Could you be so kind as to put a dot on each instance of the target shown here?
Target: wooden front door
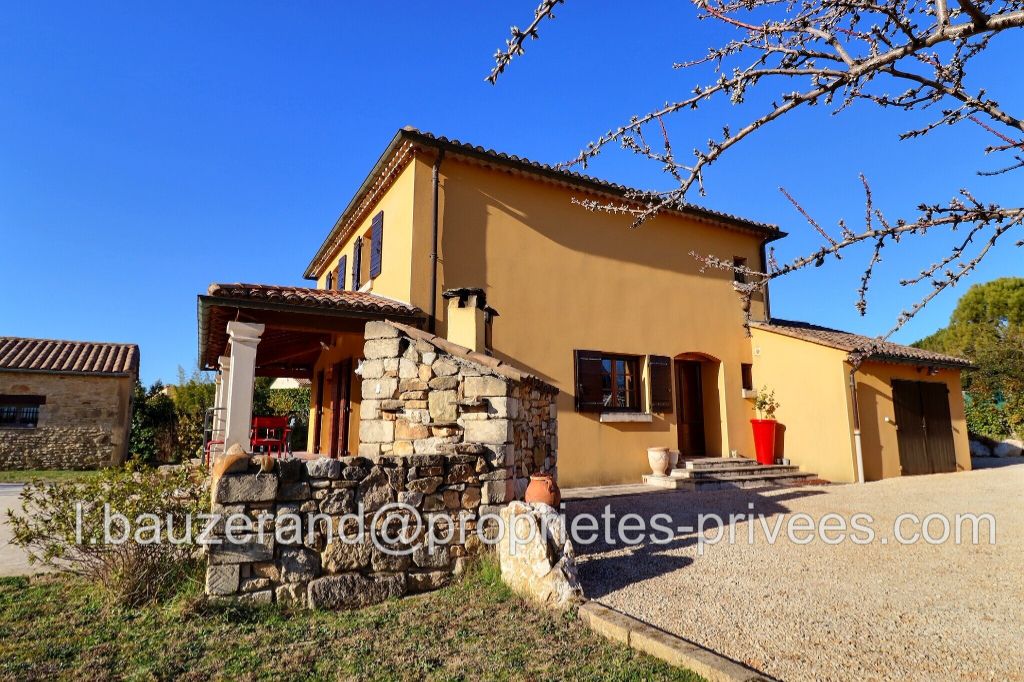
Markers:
(690, 415)
(924, 428)
(341, 408)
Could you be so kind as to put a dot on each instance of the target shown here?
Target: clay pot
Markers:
(543, 488)
(673, 459)
(659, 461)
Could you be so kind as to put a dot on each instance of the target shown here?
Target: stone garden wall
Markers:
(447, 437)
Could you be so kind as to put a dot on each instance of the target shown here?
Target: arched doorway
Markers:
(698, 421)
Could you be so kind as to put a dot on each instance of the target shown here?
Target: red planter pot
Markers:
(764, 440)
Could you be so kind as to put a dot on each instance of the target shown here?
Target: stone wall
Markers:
(444, 439)
(83, 424)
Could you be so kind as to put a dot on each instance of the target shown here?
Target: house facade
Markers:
(65, 404)
(492, 252)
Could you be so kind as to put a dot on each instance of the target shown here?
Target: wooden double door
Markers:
(924, 428)
(340, 412)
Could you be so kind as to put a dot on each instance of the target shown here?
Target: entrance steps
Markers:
(723, 473)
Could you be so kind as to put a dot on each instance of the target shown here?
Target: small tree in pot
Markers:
(764, 426)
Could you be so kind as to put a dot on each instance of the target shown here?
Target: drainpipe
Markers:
(856, 426)
(435, 184)
(764, 268)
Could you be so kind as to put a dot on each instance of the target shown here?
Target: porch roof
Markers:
(298, 320)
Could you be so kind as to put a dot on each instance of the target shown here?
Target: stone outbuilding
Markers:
(65, 404)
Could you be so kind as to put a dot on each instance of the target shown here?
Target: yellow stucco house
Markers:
(489, 250)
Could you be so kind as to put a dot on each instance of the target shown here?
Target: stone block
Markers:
(299, 565)
(496, 492)
(222, 580)
(371, 369)
(352, 591)
(369, 449)
(425, 485)
(443, 367)
(471, 497)
(491, 431)
(444, 383)
(408, 369)
(412, 385)
(382, 348)
(296, 491)
(340, 556)
(375, 490)
(246, 488)
(245, 551)
(406, 430)
(423, 557)
(403, 447)
(485, 386)
(394, 560)
(380, 330)
(376, 431)
(369, 409)
(504, 408)
(379, 389)
(323, 467)
(442, 406)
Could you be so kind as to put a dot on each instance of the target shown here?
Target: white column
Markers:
(220, 401)
(243, 337)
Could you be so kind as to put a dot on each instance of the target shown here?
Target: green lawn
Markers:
(52, 476)
(58, 627)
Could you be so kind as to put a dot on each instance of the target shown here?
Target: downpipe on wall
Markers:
(435, 186)
(856, 426)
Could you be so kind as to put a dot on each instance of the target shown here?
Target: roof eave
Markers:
(770, 233)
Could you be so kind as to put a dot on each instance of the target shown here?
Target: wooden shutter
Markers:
(376, 243)
(661, 383)
(589, 391)
(342, 272)
(911, 436)
(357, 258)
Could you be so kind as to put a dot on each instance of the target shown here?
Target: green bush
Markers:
(986, 418)
(73, 526)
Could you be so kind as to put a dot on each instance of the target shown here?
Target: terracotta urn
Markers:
(659, 461)
(543, 488)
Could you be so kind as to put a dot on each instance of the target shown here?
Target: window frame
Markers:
(25, 410)
(737, 276)
(632, 368)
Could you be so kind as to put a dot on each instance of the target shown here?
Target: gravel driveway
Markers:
(832, 612)
(12, 560)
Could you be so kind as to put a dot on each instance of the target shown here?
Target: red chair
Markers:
(270, 435)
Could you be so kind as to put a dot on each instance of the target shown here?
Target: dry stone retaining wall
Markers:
(450, 438)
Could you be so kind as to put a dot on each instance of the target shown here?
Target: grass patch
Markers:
(50, 476)
(59, 627)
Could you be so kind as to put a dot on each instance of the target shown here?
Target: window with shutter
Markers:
(342, 271)
(660, 368)
(357, 257)
(376, 243)
(589, 387)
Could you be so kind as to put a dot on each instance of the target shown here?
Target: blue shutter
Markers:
(357, 257)
(376, 243)
(342, 271)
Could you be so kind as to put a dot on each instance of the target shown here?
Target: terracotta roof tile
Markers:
(73, 357)
(849, 342)
(314, 298)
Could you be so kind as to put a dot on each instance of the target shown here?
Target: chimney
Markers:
(470, 319)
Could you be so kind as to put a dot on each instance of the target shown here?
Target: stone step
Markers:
(705, 463)
(669, 482)
(767, 476)
(738, 471)
(708, 484)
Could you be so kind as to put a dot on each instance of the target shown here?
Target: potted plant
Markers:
(764, 426)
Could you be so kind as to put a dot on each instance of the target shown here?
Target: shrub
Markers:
(73, 526)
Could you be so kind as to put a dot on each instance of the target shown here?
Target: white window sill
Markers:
(626, 417)
(749, 393)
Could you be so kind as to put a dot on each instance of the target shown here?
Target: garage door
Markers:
(925, 430)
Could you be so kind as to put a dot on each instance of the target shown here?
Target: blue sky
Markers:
(135, 138)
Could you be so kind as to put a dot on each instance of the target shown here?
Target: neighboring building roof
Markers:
(68, 357)
(885, 351)
(409, 137)
(492, 363)
(329, 299)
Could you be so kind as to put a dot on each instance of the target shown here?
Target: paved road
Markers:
(12, 560)
(874, 611)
